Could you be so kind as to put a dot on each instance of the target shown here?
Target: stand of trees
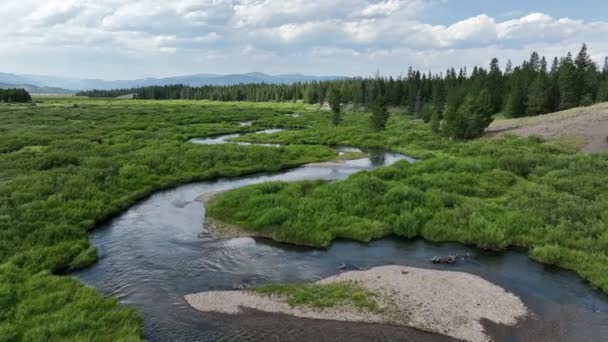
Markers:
(14, 95)
(462, 102)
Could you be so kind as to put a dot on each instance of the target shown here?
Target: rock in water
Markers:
(450, 260)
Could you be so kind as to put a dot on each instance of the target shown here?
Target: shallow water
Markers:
(150, 257)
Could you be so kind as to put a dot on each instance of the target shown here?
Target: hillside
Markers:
(587, 126)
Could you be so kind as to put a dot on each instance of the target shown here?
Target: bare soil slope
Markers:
(588, 126)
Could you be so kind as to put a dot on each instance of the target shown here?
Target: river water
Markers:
(151, 256)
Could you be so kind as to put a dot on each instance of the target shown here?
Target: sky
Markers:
(116, 39)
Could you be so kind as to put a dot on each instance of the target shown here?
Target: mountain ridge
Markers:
(202, 79)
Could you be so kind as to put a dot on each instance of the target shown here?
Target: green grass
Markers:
(493, 193)
(68, 164)
(323, 296)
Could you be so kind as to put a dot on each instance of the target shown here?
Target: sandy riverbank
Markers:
(444, 302)
(208, 196)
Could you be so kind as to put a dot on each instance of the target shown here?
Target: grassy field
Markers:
(492, 193)
(67, 164)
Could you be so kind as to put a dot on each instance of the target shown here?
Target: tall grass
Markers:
(324, 296)
(67, 164)
(494, 193)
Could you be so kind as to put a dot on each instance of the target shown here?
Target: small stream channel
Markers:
(150, 257)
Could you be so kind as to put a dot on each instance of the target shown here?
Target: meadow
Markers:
(494, 193)
(67, 164)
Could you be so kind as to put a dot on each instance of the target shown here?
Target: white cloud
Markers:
(278, 33)
(384, 8)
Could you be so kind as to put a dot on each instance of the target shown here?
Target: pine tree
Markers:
(583, 61)
(586, 77)
(454, 98)
(516, 100)
(435, 122)
(483, 112)
(427, 112)
(494, 85)
(334, 103)
(509, 67)
(539, 95)
(567, 84)
(14, 95)
(534, 62)
(472, 117)
(523, 90)
(602, 93)
(438, 97)
(379, 114)
(554, 86)
(418, 106)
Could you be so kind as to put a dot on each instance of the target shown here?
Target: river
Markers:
(151, 255)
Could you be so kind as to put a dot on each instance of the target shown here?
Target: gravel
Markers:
(444, 302)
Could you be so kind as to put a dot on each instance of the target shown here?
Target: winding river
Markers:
(151, 256)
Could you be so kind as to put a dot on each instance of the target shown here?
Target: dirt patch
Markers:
(586, 126)
(448, 303)
(208, 196)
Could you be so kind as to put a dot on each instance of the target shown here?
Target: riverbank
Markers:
(443, 302)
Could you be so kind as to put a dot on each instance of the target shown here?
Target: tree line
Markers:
(14, 95)
(460, 103)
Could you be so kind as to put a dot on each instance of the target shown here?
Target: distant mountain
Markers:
(193, 80)
(32, 89)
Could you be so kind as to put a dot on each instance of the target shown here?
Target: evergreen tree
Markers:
(523, 90)
(438, 97)
(567, 84)
(602, 93)
(427, 112)
(334, 103)
(472, 117)
(435, 122)
(554, 86)
(418, 105)
(495, 87)
(539, 95)
(379, 114)
(509, 67)
(454, 99)
(534, 63)
(583, 61)
(14, 96)
(587, 100)
(585, 77)
(516, 100)
(483, 111)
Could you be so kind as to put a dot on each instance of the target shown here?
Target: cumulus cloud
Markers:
(357, 31)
